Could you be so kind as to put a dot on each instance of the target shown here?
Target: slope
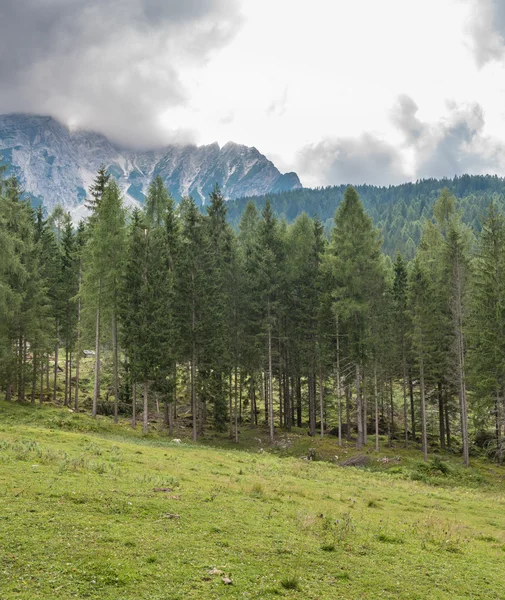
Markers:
(93, 510)
(398, 210)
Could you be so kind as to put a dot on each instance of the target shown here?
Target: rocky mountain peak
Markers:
(57, 165)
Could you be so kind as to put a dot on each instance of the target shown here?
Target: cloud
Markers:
(364, 159)
(454, 145)
(486, 28)
(115, 66)
(279, 105)
(404, 117)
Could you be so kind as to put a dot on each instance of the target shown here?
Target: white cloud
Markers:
(340, 91)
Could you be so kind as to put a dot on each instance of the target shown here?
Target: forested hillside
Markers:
(398, 211)
(272, 326)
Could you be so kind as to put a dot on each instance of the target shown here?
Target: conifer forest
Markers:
(261, 325)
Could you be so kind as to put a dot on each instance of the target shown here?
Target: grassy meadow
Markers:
(89, 509)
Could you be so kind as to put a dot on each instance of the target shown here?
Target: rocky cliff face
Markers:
(57, 165)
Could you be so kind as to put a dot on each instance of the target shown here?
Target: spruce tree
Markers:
(103, 268)
(487, 323)
(358, 278)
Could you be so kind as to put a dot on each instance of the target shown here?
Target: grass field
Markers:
(89, 509)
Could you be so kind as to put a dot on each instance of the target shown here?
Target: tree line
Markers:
(270, 324)
(399, 211)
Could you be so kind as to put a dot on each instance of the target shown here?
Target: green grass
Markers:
(80, 517)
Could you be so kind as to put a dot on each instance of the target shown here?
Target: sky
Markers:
(340, 91)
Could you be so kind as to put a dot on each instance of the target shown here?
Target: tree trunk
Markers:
(287, 402)
(405, 411)
(348, 411)
(392, 428)
(359, 409)
(41, 391)
(423, 407)
(460, 349)
(96, 390)
(78, 345)
(281, 398)
(67, 381)
(47, 373)
(116, 363)
(193, 395)
(412, 407)
(34, 374)
(339, 400)
(388, 410)
(165, 412)
(311, 383)
(240, 396)
(376, 400)
(134, 405)
(230, 405)
(270, 386)
(441, 416)
(264, 393)
(392, 409)
(498, 418)
(55, 380)
(365, 410)
(447, 421)
(321, 402)
(298, 401)
(22, 364)
(145, 425)
(252, 394)
(236, 403)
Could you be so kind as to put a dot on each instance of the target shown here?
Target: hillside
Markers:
(57, 165)
(94, 510)
(398, 210)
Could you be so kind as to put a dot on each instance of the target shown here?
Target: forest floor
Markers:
(89, 509)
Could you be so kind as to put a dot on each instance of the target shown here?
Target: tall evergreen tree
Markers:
(103, 268)
(358, 278)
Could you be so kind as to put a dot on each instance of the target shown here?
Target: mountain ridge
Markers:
(56, 164)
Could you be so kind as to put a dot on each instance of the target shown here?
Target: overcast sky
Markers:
(376, 91)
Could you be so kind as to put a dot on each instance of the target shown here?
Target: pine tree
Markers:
(457, 257)
(358, 277)
(487, 321)
(158, 200)
(192, 312)
(69, 288)
(421, 290)
(268, 276)
(97, 189)
(219, 289)
(137, 308)
(103, 268)
(400, 295)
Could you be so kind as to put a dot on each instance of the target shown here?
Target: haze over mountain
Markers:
(57, 165)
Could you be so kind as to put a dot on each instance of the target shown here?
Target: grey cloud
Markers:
(366, 159)
(456, 145)
(404, 116)
(486, 27)
(452, 146)
(109, 66)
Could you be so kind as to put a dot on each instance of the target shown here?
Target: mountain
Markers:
(57, 165)
(399, 211)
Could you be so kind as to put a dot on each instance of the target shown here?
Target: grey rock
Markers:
(57, 165)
